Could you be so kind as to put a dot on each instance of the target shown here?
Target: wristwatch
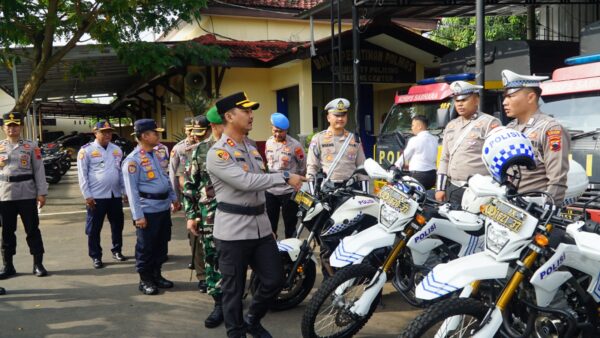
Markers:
(286, 176)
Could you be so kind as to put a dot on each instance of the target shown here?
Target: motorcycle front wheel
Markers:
(328, 312)
(463, 317)
(292, 295)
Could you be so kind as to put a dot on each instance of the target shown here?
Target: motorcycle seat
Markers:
(465, 220)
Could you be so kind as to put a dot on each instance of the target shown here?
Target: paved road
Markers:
(76, 300)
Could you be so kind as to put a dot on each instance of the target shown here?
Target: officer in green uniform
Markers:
(200, 204)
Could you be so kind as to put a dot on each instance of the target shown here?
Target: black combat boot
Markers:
(160, 281)
(2, 291)
(147, 285)
(9, 269)
(254, 328)
(38, 268)
(215, 318)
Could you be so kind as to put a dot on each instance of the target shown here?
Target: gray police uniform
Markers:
(180, 153)
(284, 156)
(461, 152)
(150, 195)
(551, 145)
(100, 178)
(242, 231)
(22, 179)
(323, 149)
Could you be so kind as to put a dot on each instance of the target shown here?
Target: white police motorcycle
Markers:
(516, 243)
(345, 302)
(330, 214)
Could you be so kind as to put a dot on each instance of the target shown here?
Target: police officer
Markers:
(242, 232)
(179, 155)
(283, 153)
(23, 189)
(325, 148)
(551, 143)
(200, 205)
(201, 131)
(462, 143)
(101, 183)
(150, 196)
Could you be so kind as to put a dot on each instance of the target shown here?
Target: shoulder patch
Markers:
(554, 139)
(223, 155)
(299, 152)
(132, 167)
(81, 154)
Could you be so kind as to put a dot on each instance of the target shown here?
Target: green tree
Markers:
(458, 33)
(115, 23)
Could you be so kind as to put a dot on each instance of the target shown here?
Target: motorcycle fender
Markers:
(353, 249)
(292, 247)
(455, 275)
(420, 252)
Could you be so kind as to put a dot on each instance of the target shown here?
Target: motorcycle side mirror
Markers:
(374, 170)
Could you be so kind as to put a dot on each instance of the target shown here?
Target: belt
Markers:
(17, 178)
(458, 183)
(412, 172)
(161, 196)
(240, 209)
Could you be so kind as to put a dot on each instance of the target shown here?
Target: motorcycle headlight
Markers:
(387, 215)
(496, 238)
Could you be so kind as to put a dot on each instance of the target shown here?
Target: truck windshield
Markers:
(400, 116)
(576, 112)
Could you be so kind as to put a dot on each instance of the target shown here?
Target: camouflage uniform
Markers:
(200, 203)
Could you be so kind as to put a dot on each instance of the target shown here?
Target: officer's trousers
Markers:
(426, 178)
(196, 245)
(288, 208)
(234, 257)
(113, 209)
(27, 209)
(152, 243)
(454, 194)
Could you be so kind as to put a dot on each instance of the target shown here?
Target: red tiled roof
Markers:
(263, 50)
(284, 4)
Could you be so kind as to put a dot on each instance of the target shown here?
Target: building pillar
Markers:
(305, 98)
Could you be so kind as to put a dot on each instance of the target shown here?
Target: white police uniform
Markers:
(100, 178)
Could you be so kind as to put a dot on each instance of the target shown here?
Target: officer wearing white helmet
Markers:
(326, 148)
(462, 142)
(283, 153)
(551, 143)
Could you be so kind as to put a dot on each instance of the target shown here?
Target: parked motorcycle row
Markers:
(503, 264)
(56, 163)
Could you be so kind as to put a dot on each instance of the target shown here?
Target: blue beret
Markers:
(280, 121)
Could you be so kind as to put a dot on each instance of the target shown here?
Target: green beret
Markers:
(213, 116)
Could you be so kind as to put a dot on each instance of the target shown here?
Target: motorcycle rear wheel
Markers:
(327, 314)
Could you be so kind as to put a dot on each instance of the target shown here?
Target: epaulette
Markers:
(86, 145)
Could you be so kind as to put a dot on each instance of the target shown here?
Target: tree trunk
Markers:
(31, 87)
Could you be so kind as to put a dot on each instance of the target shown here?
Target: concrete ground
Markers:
(76, 300)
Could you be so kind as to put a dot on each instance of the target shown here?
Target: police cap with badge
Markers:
(143, 125)
(237, 100)
(514, 82)
(12, 118)
(188, 123)
(461, 90)
(200, 125)
(102, 125)
(338, 107)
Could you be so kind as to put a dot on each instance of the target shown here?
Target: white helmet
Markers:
(503, 148)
